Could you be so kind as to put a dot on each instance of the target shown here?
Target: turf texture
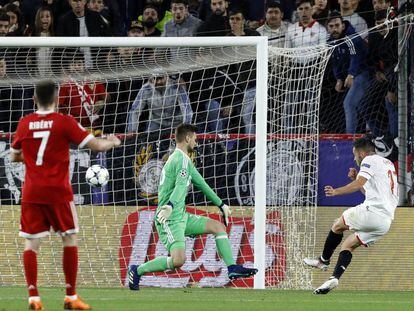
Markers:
(196, 299)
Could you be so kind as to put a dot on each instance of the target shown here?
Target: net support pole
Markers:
(260, 164)
(402, 113)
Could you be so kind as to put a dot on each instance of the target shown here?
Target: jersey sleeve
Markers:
(201, 184)
(77, 133)
(367, 168)
(182, 180)
(16, 146)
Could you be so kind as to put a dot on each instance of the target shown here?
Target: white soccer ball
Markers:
(97, 176)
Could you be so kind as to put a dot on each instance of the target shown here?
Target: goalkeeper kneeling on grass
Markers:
(174, 223)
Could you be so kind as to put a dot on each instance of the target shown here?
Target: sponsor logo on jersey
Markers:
(366, 165)
(139, 242)
(183, 173)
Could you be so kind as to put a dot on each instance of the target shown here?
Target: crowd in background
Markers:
(359, 88)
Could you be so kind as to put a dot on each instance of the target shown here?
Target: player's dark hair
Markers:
(364, 144)
(45, 92)
(183, 130)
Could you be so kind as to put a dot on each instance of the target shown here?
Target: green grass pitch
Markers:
(195, 299)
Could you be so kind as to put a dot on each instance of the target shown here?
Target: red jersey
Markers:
(78, 100)
(44, 138)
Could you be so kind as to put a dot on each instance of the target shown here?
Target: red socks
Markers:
(70, 268)
(30, 271)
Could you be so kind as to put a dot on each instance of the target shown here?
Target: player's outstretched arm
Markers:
(201, 184)
(352, 187)
(103, 144)
(16, 157)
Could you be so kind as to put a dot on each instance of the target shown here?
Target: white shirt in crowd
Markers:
(381, 188)
(311, 35)
(276, 37)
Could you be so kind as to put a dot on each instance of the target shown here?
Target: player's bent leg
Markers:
(332, 241)
(225, 252)
(178, 257)
(172, 236)
(344, 259)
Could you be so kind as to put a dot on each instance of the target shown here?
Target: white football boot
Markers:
(327, 286)
(316, 263)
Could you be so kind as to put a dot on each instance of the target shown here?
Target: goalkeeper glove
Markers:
(225, 211)
(164, 213)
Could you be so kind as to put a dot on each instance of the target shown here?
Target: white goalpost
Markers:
(257, 111)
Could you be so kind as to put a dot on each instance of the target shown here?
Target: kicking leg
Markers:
(332, 241)
(224, 250)
(344, 259)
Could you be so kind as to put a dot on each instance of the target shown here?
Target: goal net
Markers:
(141, 93)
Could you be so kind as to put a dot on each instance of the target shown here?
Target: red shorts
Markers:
(36, 219)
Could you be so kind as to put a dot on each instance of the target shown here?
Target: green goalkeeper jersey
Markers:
(176, 176)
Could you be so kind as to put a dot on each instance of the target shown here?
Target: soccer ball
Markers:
(97, 176)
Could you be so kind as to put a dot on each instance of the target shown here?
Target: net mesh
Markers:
(141, 94)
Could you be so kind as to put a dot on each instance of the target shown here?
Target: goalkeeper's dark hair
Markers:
(183, 130)
(45, 92)
(364, 144)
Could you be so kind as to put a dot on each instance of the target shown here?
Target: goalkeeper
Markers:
(174, 223)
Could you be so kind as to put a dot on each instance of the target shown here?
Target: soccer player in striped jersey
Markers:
(172, 221)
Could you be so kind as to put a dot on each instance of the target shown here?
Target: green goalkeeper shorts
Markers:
(172, 234)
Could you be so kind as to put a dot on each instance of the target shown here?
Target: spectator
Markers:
(44, 28)
(348, 8)
(244, 74)
(123, 90)
(217, 99)
(307, 31)
(218, 23)
(15, 101)
(383, 54)
(29, 9)
(14, 13)
(274, 27)
(150, 20)
(168, 105)
(136, 29)
(320, 11)
(164, 15)
(109, 11)
(183, 24)
(82, 99)
(4, 24)
(349, 61)
(380, 5)
(82, 22)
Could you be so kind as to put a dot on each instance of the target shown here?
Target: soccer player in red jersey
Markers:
(42, 142)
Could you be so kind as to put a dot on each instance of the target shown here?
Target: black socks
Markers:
(344, 260)
(332, 241)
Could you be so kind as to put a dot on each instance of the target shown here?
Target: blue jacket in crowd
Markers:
(349, 57)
